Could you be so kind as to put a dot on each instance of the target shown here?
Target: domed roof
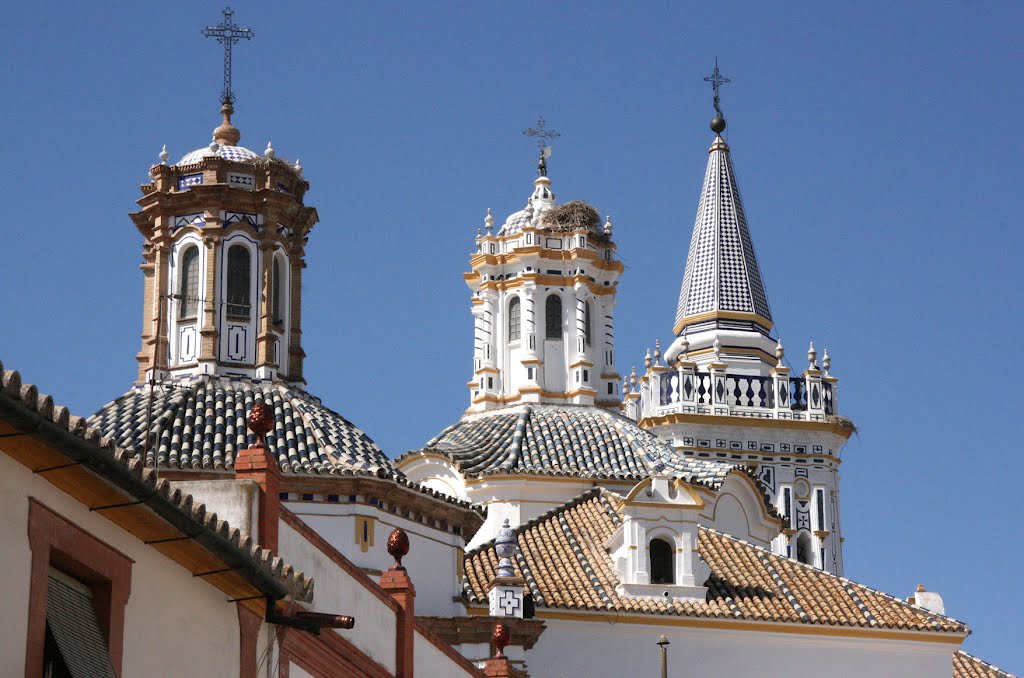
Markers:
(198, 422)
(516, 221)
(235, 153)
(565, 441)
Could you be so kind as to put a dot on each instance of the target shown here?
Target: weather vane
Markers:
(717, 80)
(228, 33)
(542, 135)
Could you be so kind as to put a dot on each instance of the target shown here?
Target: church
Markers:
(570, 521)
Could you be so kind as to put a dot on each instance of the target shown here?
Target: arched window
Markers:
(586, 323)
(276, 315)
(662, 567)
(804, 552)
(238, 287)
(514, 317)
(553, 317)
(188, 287)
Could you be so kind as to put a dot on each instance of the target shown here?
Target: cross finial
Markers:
(542, 135)
(717, 80)
(228, 33)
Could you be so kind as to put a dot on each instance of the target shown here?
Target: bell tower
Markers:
(543, 304)
(224, 233)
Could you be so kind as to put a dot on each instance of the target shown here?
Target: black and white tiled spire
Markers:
(722, 274)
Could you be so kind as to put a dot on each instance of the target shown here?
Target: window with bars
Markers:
(239, 303)
(553, 317)
(276, 311)
(188, 287)
(514, 319)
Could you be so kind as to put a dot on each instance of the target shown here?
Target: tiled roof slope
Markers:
(161, 496)
(565, 441)
(969, 666)
(199, 423)
(564, 562)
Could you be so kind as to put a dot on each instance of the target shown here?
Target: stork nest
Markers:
(572, 216)
(844, 423)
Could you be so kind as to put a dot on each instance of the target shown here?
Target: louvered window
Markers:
(276, 314)
(74, 646)
(238, 287)
(514, 318)
(553, 317)
(188, 289)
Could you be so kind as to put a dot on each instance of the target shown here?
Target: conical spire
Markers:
(722, 278)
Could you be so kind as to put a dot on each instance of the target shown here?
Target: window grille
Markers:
(188, 289)
(553, 317)
(238, 288)
(514, 314)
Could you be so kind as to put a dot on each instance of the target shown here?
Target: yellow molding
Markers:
(735, 350)
(724, 315)
(531, 361)
(486, 370)
(565, 480)
(716, 420)
(531, 389)
(581, 363)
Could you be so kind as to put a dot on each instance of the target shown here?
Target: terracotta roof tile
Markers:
(969, 666)
(566, 565)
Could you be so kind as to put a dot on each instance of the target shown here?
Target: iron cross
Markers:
(228, 33)
(717, 80)
(542, 134)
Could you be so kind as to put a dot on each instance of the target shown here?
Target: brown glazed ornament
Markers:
(398, 547)
(260, 421)
(500, 638)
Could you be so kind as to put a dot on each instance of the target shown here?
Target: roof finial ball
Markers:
(398, 547)
(718, 124)
(260, 421)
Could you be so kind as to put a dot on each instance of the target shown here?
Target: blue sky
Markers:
(878, 147)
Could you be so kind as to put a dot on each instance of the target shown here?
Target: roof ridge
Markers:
(786, 591)
(1003, 673)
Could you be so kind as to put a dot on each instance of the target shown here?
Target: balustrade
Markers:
(747, 392)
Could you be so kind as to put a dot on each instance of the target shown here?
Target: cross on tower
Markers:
(542, 135)
(228, 33)
(717, 80)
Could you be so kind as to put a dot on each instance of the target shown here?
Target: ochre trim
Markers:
(724, 315)
(716, 420)
(744, 625)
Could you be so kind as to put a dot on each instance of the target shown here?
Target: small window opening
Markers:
(662, 570)
(804, 552)
(276, 314)
(514, 316)
(239, 284)
(553, 317)
(188, 289)
(586, 323)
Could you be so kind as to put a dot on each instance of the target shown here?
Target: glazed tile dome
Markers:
(228, 152)
(565, 441)
(199, 423)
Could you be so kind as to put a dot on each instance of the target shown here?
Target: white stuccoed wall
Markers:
(431, 661)
(574, 648)
(175, 624)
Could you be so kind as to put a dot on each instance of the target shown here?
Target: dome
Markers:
(565, 441)
(234, 153)
(199, 423)
(515, 222)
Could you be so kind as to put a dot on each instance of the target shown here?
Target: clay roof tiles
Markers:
(565, 564)
(969, 666)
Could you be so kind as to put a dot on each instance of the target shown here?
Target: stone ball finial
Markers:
(657, 351)
(648, 361)
(270, 150)
(718, 124)
(164, 155)
(260, 421)
(500, 638)
(826, 361)
(920, 588)
(398, 547)
(685, 346)
(625, 386)
(718, 349)
(489, 221)
(608, 224)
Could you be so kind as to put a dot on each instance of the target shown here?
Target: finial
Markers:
(270, 150)
(812, 357)
(260, 421)
(398, 547)
(489, 221)
(686, 348)
(500, 637)
(717, 80)
(228, 33)
(632, 377)
(164, 155)
(718, 349)
(227, 134)
(505, 547)
(647, 360)
(214, 146)
(657, 351)
(479, 233)
(826, 362)
(625, 386)
(298, 167)
(608, 225)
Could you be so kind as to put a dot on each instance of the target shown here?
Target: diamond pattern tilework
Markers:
(199, 423)
(572, 441)
(565, 564)
(235, 153)
(721, 267)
